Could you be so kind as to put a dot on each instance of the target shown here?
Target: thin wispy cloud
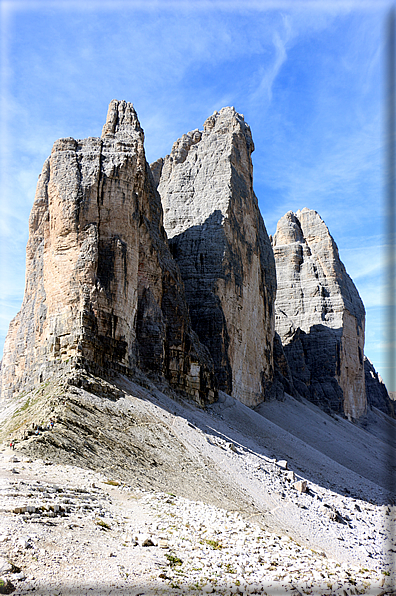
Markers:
(264, 89)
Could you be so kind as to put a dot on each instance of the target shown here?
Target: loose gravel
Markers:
(66, 531)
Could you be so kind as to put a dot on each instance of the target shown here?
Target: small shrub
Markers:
(6, 587)
(173, 561)
(102, 524)
(215, 544)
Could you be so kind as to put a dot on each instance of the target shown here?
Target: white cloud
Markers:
(364, 261)
(269, 73)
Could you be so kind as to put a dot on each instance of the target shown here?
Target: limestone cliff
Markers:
(319, 315)
(102, 290)
(218, 238)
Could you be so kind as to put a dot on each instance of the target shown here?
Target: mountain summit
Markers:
(103, 292)
(319, 315)
(218, 238)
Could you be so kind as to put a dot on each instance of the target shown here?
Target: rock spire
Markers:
(218, 238)
(319, 315)
(377, 393)
(102, 290)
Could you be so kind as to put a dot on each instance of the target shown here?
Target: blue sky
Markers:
(308, 77)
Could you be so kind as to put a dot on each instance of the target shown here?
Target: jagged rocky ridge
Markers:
(105, 302)
(106, 292)
(102, 290)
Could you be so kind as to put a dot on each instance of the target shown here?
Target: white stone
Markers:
(282, 463)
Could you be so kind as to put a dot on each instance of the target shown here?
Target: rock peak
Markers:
(218, 238)
(122, 120)
(102, 292)
(228, 120)
(319, 314)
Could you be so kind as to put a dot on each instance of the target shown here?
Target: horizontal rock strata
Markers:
(102, 290)
(218, 238)
(319, 315)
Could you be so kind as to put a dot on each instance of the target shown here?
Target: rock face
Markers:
(319, 315)
(102, 290)
(218, 238)
(377, 394)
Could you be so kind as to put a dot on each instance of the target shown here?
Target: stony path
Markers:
(67, 531)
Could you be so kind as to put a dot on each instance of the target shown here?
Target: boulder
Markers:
(300, 486)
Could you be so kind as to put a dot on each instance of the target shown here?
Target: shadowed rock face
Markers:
(102, 290)
(319, 315)
(218, 238)
(377, 394)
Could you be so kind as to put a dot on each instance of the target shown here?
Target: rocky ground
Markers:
(133, 492)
